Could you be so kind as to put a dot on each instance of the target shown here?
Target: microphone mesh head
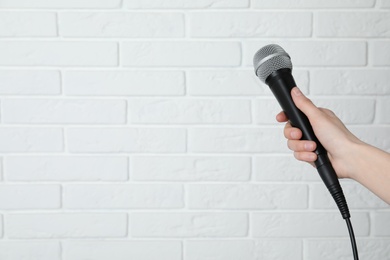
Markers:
(269, 59)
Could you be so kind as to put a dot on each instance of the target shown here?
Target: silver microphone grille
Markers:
(269, 59)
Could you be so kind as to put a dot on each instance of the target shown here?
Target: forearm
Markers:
(373, 170)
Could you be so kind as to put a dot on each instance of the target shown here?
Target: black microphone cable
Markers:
(273, 66)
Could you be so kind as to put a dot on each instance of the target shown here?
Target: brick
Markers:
(381, 226)
(56, 53)
(64, 111)
(286, 4)
(14, 197)
(283, 168)
(247, 196)
(184, 4)
(123, 196)
(124, 83)
(326, 249)
(350, 111)
(382, 111)
(189, 111)
(119, 140)
(190, 168)
(250, 24)
(350, 82)
(307, 224)
(353, 24)
(31, 139)
(180, 54)
(358, 197)
(243, 249)
(237, 140)
(189, 224)
(25, 24)
(385, 4)
(122, 250)
(43, 250)
(137, 25)
(234, 83)
(377, 136)
(66, 168)
(379, 54)
(90, 4)
(315, 53)
(66, 225)
(30, 82)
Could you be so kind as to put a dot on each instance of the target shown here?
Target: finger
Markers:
(309, 157)
(281, 117)
(304, 104)
(301, 146)
(292, 133)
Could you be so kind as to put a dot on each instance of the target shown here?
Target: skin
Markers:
(350, 157)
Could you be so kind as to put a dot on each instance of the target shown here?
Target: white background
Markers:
(136, 129)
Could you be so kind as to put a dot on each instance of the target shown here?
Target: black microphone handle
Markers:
(281, 83)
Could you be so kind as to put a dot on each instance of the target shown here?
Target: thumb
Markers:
(304, 104)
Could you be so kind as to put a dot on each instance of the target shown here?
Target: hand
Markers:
(330, 131)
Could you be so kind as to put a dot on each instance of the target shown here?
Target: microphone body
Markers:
(281, 83)
(273, 66)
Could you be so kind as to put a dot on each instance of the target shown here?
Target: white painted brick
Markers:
(90, 4)
(247, 196)
(375, 135)
(250, 24)
(31, 250)
(315, 53)
(383, 111)
(327, 249)
(243, 249)
(379, 53)
(31, 139)
(350, 111)
(190, 168)
(25, 24)
(124, 83)
(126, 140)
(225, 83)
(66, 168)
(299, 4)
(184, 4)
(306, 224)
(1, 169)
(122, 250)
(189, 111)
(350, 82)
(189, 224)
(283, 168)
(358, 197)
(66, 225)
(385, 3)
(30, 82)
(237, 140)
(1, 226)
(142, 25)
(381, 226)
(123, 196)
(353, 24)
(30, 197)
(58, 53)
(181, 54)
(234, 83)
(64, 111)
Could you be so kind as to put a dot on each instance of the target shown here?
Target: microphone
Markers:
(273, 66)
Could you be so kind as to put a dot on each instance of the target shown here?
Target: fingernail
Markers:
(297, 91)
(309, 146)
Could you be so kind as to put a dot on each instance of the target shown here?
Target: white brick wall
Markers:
(136, 129)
